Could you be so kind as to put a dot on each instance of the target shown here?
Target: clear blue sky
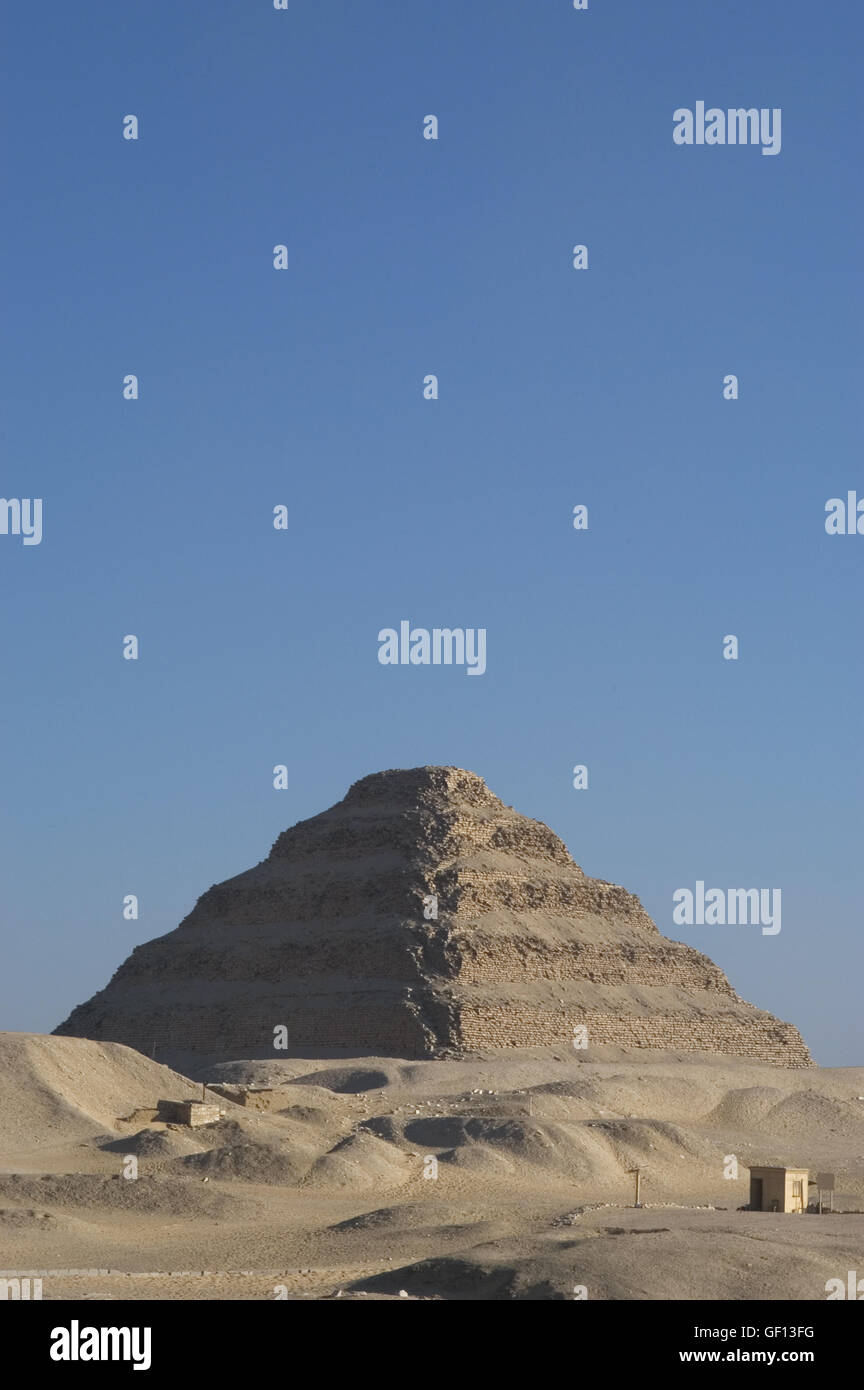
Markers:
(557, 387)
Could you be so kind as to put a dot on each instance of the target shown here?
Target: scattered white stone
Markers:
(403, 1293)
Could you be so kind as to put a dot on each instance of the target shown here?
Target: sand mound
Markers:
(455, 1277)
(479, 1158)
(815, 1112)
(637, 1139)
(318, 1116)
(593, 1151)
(411, 1216)
(639, 1093)
(360, 1162)
(56, 1091)
(685, 1255)
(745, 1109)
(348, 1080)
(304, 1133)
(252, 1161)
(154, 1143)
(523, 1141)
(149, 1196)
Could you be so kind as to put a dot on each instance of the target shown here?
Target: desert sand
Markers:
(458, 1104)
(329, 1193)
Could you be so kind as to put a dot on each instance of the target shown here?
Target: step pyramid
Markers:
(334, 939)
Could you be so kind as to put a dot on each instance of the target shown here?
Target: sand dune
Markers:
(324, 1182)
(57, 1090)
(646, 1255)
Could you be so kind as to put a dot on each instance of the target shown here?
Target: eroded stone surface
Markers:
(327, 937)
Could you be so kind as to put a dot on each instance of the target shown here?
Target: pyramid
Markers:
(329, 940)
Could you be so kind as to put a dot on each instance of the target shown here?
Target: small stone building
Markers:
(189, 1112)
(254, 1097)
(779, 1189)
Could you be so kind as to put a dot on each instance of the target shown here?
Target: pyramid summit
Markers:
(421, 915)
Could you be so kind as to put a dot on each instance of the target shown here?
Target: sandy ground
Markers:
(497, 1177)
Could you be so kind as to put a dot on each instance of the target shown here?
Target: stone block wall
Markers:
(526, 1026)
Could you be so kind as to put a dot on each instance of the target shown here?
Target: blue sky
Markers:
(557, 387)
